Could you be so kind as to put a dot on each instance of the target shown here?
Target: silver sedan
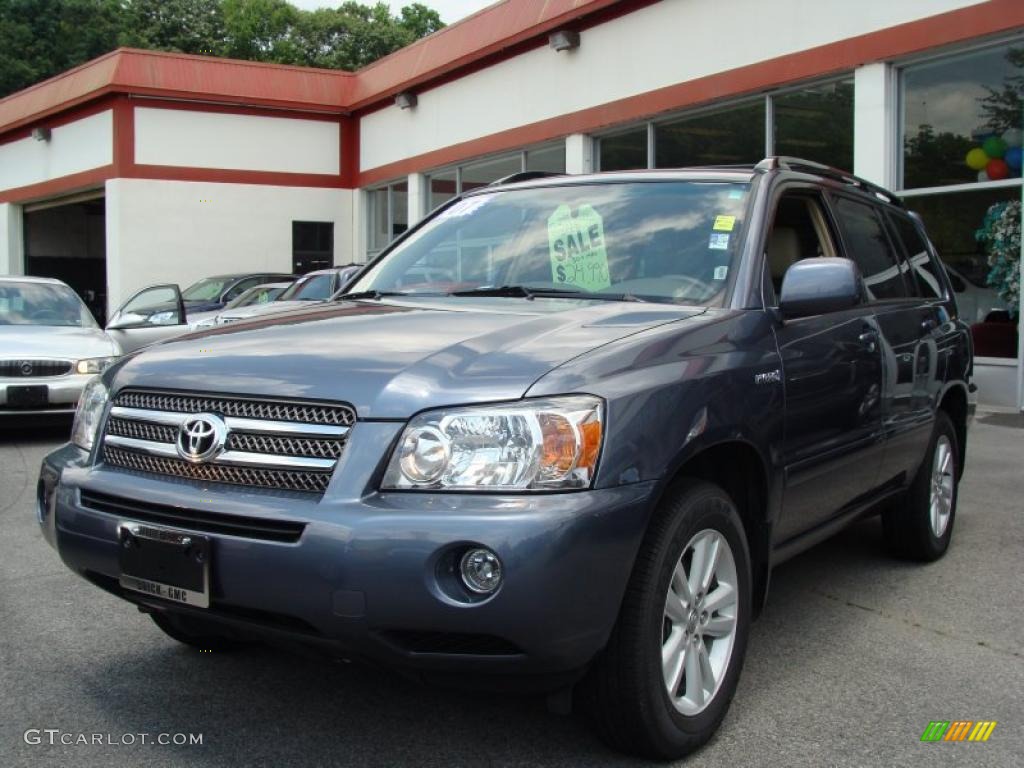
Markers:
(50, 346)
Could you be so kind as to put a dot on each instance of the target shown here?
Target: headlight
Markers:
(207, 323)
(89, 413)
(94, 364)
(161, 318)
(531, 445)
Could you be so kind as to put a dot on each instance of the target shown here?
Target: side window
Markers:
(799, 231)
(869, 246)
(925, 273)
(240, 286)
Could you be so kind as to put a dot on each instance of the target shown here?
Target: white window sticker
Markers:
(721, 273)
(719, 242)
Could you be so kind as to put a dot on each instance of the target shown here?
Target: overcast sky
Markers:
(450, 10)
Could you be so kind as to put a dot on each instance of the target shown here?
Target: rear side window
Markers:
(868, 245)
(926, 276)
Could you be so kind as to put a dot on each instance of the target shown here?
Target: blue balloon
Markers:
(1013, 157)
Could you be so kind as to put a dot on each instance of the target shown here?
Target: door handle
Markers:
(869, 339)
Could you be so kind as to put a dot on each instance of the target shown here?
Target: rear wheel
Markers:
(664, 683)
(197, 633)
(920, 525)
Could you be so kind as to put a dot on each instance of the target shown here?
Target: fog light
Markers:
(481, 571)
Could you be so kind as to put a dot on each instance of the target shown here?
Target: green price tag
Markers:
(577, 249)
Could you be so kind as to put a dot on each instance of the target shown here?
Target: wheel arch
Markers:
(739, 468)
(953, 402)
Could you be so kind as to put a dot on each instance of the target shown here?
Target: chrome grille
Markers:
(285, 446)
(289, 480)
(17, 369)
(141, 430)
(267, 410)
(296, 450)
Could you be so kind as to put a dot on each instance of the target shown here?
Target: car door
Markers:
(905, 324)
(153, 314)
(832, 374)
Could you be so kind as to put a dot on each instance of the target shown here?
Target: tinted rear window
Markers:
(868, 245)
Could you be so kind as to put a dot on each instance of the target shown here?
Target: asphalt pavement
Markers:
(853, 657)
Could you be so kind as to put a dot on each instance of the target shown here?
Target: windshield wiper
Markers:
(522, 291)
(373, 295)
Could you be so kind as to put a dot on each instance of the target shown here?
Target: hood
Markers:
(391, 359)
(62, 342)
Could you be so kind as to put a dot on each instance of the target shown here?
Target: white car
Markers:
(50, 346)
(973, 301)
(310, 288)
(257, 296)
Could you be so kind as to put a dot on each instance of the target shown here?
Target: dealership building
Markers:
(143, 167)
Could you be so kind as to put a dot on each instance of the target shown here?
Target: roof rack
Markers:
(835, 174)
(523, 176)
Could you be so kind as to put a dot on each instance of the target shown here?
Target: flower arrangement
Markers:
(999, 235)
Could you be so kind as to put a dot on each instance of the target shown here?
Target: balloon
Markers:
(1013, 158)
(977, 159)
(994, 147)
(1013, 137)
(997, 169)
(982, 176)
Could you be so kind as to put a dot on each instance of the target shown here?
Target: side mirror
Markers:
(819, 286)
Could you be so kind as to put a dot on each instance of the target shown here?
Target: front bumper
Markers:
(64, 392)
(363, 577)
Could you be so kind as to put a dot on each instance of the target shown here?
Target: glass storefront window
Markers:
(816, 124)
(483, 173)
(624, 151)
(442, 187)
(551, 159)
(957, 223)
(399, 208)
(962, 118)
(724, 137)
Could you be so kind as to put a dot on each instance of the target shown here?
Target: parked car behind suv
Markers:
(50, 346)
(318, 285)
(573, 463)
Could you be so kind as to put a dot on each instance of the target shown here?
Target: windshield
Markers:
(657, 241)
(309, 288)
(260, 294)
(207, 289)
(42, 304)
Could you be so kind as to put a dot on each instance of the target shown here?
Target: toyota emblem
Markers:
(201, 437)
(26, 368)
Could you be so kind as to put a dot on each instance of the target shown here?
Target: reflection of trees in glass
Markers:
(624, 152)
(934, 159)
(1002, 107)
(728, 137)
(816, 124)
(936, 154)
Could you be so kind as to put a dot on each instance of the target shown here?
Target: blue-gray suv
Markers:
(556, 437)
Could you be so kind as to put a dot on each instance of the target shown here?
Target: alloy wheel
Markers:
(941, 499)
(699, 622)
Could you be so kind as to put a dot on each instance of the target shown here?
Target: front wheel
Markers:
(664, 683)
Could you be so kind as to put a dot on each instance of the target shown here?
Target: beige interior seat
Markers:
(783, 250)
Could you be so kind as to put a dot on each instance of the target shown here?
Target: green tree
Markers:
(188, 26)
(42, 38)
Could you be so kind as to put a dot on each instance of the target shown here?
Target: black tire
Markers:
(625, 692)
(907, 523)
(202, 635)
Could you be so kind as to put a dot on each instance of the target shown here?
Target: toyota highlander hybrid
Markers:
(555, 438)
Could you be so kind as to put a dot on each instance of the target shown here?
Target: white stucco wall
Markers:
(666, 43)
(11, 242)
(72, 148)
(188, 138)
(178, 232)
